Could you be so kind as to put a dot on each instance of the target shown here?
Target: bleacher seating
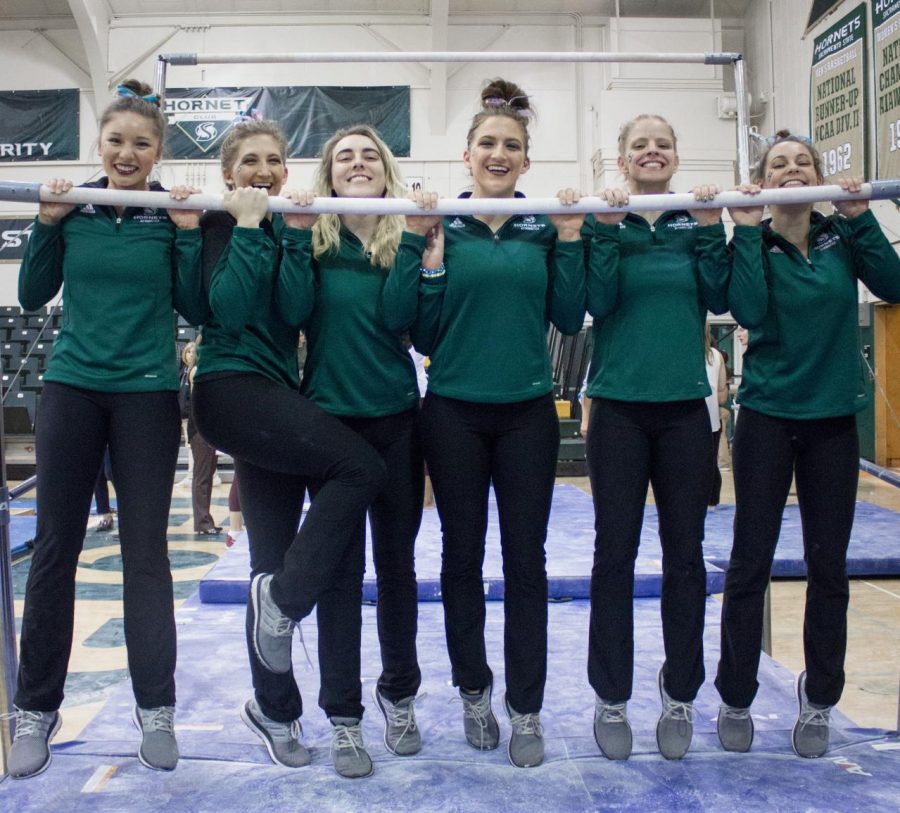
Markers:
(26, 346)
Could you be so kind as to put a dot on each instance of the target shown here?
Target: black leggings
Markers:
(629, 446)
(143, 432)
(394, 515)
(823, 455)
(280, 442)
(469, 446)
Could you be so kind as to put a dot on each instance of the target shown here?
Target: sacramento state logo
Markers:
(205, 120)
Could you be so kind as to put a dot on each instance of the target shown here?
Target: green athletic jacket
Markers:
(649, 288)
(357, 363)
(803, 359)
(122, 280)
(250, 329)
(485, 323)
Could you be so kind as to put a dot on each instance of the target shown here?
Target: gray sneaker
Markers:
(273, 631)
(810, 735)
(401, 734)
(612, 731)
(158, 750)
(675, 728)
(282, 740)
(481, 727)
(351, 760)
(30, 751)
(526, 744)
(735, 728)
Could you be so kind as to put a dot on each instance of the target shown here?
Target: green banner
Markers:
(14, 234)
(38, 125)
(886, 34)
(199, 118)
(837, 95)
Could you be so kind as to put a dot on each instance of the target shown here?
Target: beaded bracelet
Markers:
(432, 273)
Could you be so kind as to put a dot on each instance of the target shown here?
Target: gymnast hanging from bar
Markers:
(490, 286)
(794, 281)
(247, 402)
(652, 277)
(113, 380)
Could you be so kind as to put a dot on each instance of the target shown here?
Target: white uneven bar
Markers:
(33, 193)
(450, 56)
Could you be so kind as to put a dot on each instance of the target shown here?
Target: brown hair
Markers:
(502, 98)
(247, 129)
(628, 126)
(759, 168)
(127, 103)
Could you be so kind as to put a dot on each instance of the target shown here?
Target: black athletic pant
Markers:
(394, 515)
(280, 442)
(468, 446)
(823, 455)
(629, 446)
(143, 432)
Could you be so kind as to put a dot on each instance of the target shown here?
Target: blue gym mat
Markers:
(570, 544)
(874, 543)
(21, 531)
(225, 768)
(570, 551)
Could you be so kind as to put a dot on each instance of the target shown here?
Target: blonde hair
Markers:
(247, 129)
(628, 126)
(327, 228)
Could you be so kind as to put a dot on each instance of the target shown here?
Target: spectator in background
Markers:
(205, 458)
(101, 496)
(715, 373)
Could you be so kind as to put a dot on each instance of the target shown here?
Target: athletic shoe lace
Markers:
(735, 713)
(277, 624)
(284, 732)
(347, 736)
(401, 716)
(529, 723)
(29, 723)
(611, 712)
(678, 711)
(814, 716)
(477, 710)
(158, 719)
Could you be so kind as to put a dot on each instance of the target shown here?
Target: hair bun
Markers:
(137, 87)
(502, 93)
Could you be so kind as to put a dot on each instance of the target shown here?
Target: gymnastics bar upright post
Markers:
(716, 58)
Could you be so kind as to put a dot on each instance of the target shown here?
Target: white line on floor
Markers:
(876, 587)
